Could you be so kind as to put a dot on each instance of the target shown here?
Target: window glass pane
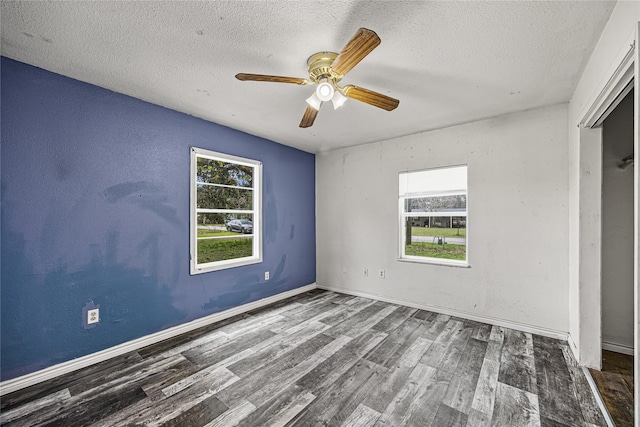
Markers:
(436, 237)
(225, 173)
(442, 204)
(435, 250)
(229, 239)
(214, 197)
(212, 225)
(211, 250)
(240, 223)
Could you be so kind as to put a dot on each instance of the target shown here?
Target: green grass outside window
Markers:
(219, 250)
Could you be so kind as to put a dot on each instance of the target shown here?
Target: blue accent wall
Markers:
(95, 210)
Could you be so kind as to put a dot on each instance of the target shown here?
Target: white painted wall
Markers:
(518, 211)
(584, 289)
(617, 227)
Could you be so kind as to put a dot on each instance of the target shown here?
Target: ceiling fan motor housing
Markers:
(319, 65)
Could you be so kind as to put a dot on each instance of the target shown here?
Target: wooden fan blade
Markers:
(370, 97)
(267, 78)
(309, 116)
(360, 45)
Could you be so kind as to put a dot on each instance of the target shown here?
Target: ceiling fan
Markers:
(326, 69)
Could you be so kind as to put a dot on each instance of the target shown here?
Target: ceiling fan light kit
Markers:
(326, 69)
(314, 101)
(325, 90)
(317, 98)
(338, 100)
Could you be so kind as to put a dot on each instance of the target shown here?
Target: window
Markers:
(433, 215)
(225, 211)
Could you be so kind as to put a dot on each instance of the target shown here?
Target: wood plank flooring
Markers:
(615, 384)
(324, 359)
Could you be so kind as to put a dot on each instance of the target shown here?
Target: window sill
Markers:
(437, 261)
(223, 265)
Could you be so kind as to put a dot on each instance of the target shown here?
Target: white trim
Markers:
(440, 193)
(618, 348)
(227, 263)
(636, 223)
(619, 79)
(420, 214)
(598, 397)
(470, 316)
(618, 99)
(235, 236)
(223, 157)
(573, 347)
(54, 371)
(589, 247)
(256, 212)
(226, 186)
(435, 261)
(231, 211)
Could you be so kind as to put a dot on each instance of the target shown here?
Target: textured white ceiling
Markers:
(447, 62)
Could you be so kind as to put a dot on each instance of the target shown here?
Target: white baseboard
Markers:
(18, 383)
(618, 348)
(470, 316)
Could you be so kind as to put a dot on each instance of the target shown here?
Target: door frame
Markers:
(613, 91)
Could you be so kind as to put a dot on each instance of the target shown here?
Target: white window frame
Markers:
(256, 212)
(403, 216)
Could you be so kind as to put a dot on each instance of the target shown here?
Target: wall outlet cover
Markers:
(90, 315)
(93, 316)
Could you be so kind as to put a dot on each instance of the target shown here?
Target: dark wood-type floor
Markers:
(615, 384)
(324, 358)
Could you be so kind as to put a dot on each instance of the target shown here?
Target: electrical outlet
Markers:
(365, 272)
(93, 316)
(344, 268)
(266, 275)
(380, 274)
